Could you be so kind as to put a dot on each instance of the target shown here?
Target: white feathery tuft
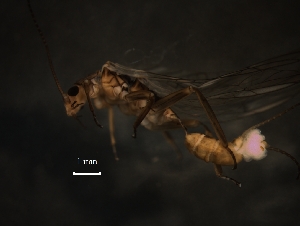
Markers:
(254, 146)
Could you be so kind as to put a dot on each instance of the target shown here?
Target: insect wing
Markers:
(161, 85)
(256, 88)
(248, 91)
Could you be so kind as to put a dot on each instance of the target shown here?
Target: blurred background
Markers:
(40, 145)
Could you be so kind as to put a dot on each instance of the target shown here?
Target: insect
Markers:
(155, 98)
(251, 145)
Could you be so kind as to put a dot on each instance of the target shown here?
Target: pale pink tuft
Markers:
(254, 146)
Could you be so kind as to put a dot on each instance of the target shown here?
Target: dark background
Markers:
(148, 186)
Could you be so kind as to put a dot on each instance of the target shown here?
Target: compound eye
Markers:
(73, 91)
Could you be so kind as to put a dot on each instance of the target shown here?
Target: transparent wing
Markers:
(254, 89)
(248, 91)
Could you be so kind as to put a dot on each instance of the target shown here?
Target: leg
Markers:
(86, 89)
(219, 173)
(216, 125)
(172, 98)
(140, 95)
(112, 132)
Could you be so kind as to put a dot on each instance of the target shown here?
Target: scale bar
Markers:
(86, 173)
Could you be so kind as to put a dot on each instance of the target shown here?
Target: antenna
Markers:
(64, 96)
(274, 117)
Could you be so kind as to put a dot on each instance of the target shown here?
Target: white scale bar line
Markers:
(86, 173)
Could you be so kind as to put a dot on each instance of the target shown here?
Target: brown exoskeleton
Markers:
(155, 98)
(109, 87)
(251, 145)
